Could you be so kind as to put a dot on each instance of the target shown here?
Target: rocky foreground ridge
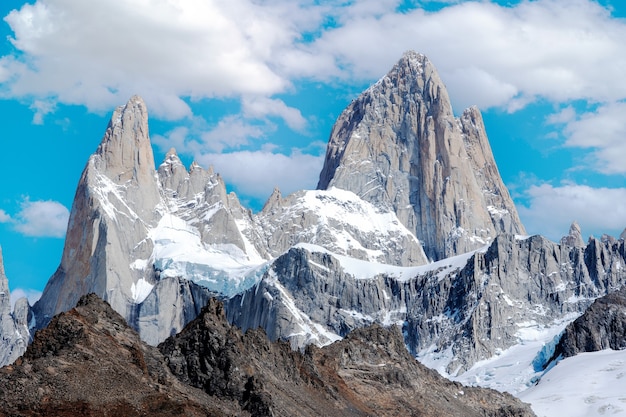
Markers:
(89, 362)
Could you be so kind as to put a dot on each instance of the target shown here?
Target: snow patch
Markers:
(140, 290)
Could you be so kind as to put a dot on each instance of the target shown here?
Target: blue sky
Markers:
(253, 88)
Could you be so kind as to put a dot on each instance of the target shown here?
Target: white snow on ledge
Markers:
(368, 270)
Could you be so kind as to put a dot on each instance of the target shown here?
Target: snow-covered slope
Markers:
(341, 222)
(586, 385)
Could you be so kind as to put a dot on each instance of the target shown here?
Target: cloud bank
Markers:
(176, 53)
(593, 209)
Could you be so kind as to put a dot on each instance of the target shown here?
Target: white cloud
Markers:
(41, 109)
(4, 217)
(30, 294)
(99, 53)
(564, 116)
(604, 133)
(42, 219)
(230, 132)
(551, 210)
(547, 48)
(260, 107)
(257, 173)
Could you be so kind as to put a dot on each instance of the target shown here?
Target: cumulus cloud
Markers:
(42, 219)
(260, 107)
(256, 173)
(99, 53)
(4, 217)
(603, 132)
(552, 49)
(551, 210)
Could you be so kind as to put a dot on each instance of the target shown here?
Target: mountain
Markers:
(89, 362)
(601, 326)
(158, 242)
(411, 225)
(454, 312)
(399, 146)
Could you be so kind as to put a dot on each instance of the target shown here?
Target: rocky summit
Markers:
(399, 146)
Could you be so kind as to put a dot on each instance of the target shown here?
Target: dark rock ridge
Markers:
(602, 326)
(370, 373)
(399, 146)
(88, 362)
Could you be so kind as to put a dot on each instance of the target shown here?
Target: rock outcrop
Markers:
(14, 325)
(602, 326)
(574, 237)
(399, 146)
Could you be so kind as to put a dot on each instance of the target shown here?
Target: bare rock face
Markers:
(574, 237)
(471, 306)
(113, 210)
(14, 326)
(399, 146)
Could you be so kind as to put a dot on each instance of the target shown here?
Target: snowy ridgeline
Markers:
(335, 218)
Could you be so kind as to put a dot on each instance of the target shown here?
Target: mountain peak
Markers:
(125, 152)
(413, 75)
(414, 61)
(399, 146)
(574, 238)
(5, 303)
